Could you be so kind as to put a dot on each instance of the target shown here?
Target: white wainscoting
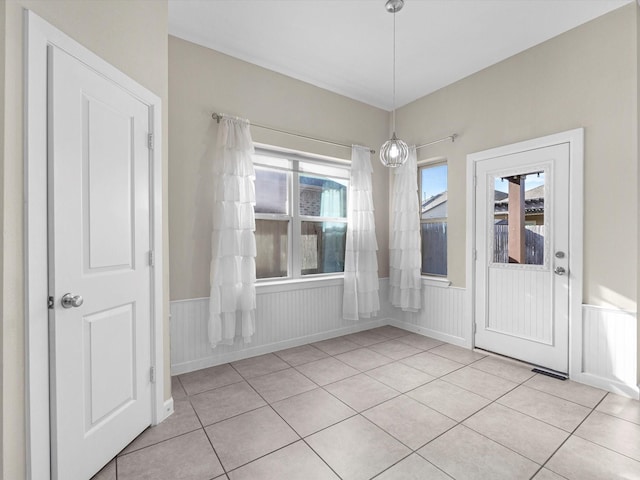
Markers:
(609, 350)
(287, 315)
(443, 315)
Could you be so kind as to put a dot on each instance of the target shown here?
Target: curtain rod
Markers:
(218, 116)
(452, 137)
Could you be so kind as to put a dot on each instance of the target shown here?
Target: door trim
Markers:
(38, 36)
(575, 139)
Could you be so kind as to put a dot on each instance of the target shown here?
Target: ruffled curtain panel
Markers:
(361, 264)
(233, 244)
(404, 250)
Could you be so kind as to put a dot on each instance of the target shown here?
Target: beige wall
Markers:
(638, 156)
(2, 123)
(202, 81)
(586, 77)
(130, 34)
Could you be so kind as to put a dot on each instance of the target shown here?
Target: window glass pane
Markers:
(322, 247)
(433, 213)
(434, 248)
(433, 183)
(323, 197)
(518, 214)
(271, 191)
(272, 248)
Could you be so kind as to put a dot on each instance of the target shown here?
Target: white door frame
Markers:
(38, 36)
(575, 139)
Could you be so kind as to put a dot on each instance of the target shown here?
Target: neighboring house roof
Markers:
(533, 201)
(320, 182)
(435, 206)
(537, 192)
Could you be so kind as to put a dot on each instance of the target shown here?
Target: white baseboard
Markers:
(443, 337)
(167, 409)
(632, 391)
(252, 351)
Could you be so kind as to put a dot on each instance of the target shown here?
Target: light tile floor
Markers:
(385, 404)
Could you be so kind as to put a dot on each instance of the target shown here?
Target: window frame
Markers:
(424, 164)
(294, 217)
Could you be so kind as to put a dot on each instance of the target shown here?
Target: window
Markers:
(433, 218)
(301, 216)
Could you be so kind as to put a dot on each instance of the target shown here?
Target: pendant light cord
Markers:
(393, 114)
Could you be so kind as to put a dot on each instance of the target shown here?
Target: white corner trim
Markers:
(38, 37)
(575, 139)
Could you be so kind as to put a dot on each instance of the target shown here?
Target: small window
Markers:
(301, 216)
(433, 218)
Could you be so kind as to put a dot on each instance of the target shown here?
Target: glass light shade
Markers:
(394, 152)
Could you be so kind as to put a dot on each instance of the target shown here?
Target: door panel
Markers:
(522, 305)
(99, 239)
(110, 367)
(108, 165)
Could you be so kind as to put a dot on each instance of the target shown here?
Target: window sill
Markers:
(291, 284)
(429, 281)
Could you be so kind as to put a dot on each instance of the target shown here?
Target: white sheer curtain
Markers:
(360, 262)
(404, 250)
(233, 243)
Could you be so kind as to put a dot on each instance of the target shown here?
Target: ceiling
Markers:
(346, 46)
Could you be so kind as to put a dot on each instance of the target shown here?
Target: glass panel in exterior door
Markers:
(519, 219)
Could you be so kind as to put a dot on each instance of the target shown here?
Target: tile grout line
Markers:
(121, 455)
(404, 458)
(598, 444)
(322, 387)
(570, 435)
(562, 398)
(400, 393)
(460, 423)
(300, 438)
(209, 440)
(405, 394)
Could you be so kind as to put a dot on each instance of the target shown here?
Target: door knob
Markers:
(69, 300)
(560, 271)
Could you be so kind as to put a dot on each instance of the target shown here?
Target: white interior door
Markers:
(522, 244)
(99, 237)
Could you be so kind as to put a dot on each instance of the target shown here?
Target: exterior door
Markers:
(99, 273)
(522, 241)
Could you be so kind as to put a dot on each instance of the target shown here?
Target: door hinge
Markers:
(152, 259)
(50, 303)
(152, 374)
(150, 141)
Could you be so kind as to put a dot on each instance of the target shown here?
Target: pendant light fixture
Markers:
(394, 152)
